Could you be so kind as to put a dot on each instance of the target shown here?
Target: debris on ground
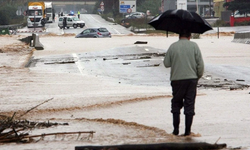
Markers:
(208, 81)
(18, 130)
(160, 146)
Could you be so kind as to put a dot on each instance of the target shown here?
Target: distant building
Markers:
(219, 9)
(202, 7)
(168, 4)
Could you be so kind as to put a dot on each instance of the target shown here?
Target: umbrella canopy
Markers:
(178, 20)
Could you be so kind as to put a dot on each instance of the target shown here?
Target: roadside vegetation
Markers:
(8, 10)
(112, 13)
(221, 23)
(8, 15)
(243, 6)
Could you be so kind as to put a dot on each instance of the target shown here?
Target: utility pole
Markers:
(197, 7)
(210, 11)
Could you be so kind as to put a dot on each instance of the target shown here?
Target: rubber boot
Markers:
(176, 122)
(188, 124)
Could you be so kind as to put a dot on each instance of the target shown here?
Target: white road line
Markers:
(78, 64)
(95, 19)
(116, 31)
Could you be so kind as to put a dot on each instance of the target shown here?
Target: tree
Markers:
(243, 6)
(152, 6)
(8, 11)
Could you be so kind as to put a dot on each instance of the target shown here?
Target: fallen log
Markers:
(160, 146)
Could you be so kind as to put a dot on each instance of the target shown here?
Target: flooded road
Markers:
(122, 91)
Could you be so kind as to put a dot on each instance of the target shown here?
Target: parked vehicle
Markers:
(135, 15)
(237, 14)
(94, 33)
(72, 21)
(36, 16)
(71, 13)
(50, 13)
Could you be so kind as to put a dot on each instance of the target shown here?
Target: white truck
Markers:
(49, 12)
(36, 14)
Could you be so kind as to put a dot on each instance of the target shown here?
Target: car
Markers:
(237, 14)
(135, 15)
(72, 21)
(71, 15)
(94, 33)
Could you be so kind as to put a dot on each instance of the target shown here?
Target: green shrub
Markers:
(8, 15)
(195, 36)
(221, 23)
(244, 23)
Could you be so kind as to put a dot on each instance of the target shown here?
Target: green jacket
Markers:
(185, 59)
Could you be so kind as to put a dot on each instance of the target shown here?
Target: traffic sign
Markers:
(124, 8)
(19, 12)
(102, 7)
(127, 6)
(129, 10)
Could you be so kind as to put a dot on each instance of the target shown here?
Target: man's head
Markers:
(185, 34)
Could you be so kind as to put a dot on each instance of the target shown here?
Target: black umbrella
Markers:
(178, 20)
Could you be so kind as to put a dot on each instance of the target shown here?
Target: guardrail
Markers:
(9, 29)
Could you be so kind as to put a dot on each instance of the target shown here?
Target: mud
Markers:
(94, 102)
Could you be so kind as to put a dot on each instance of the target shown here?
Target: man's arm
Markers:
(167, 60)
(200, 63)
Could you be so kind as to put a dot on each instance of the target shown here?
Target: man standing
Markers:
(187, 67)
(64, 22)
(79, 13)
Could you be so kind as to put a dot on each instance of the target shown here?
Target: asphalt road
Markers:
(125, 57)
(91, 20)
(136, 60)
(94, 20)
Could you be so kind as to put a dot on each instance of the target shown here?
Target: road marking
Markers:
(95, 19)
(100, 22)
(116, 31)
(78, 64)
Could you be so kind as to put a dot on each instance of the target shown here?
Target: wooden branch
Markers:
(59, 133)
(6, 123)
(4, 135)
(35, 107)
(14, 138)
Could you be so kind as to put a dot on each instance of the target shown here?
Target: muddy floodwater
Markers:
(116, 92)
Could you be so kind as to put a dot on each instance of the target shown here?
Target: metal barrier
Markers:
(9, 29)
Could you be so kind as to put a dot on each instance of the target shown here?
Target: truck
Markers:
(36, 16)
(49, 12)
